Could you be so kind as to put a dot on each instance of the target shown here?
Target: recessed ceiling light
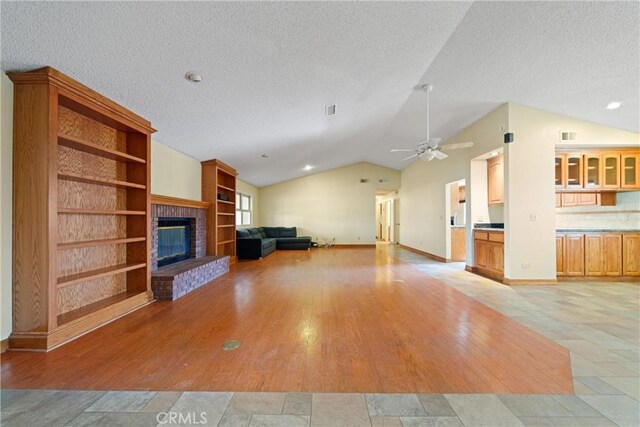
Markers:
(614, 105)
(194, 77)
(308, 167)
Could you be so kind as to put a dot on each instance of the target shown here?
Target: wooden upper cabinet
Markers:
(495, 180)
(611, 170)
(592, 170)
(574, 173)
(559, 170)
(630, 171)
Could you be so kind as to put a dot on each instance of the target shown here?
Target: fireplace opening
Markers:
(174, 240)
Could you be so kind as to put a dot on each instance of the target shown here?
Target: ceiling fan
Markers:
(430, 148)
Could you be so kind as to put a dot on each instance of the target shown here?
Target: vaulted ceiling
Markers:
(269, 70)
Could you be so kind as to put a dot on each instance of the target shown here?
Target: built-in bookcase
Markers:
(219, 188)
(81, 204)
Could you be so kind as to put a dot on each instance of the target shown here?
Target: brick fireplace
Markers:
(173, 281)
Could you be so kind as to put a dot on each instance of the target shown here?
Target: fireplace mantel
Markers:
(158, 199)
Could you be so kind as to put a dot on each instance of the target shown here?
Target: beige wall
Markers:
(6, 144)
(250, 190)
(530, 213)
(174, 174)
(424, 197)
(329, 204)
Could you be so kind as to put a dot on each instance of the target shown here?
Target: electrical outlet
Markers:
(358, 237)
(533, 217)
(525, 265)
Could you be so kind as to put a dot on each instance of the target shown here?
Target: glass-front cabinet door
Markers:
(573, 170)
(630, 171)
(592, 171)
(611, 173)
(560, 159)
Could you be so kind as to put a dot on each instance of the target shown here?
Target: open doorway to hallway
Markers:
(455, 225)
(387, 216)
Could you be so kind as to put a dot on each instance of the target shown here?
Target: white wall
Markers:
(250, 190)
(530, 213)
(624, 215)
(6, 204)
(423, 195)
(329, 204)
(174, 174)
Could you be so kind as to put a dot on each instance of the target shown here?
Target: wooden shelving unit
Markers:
(218, 182)
(81, 203)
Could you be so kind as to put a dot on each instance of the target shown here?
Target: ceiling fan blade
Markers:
(433, 142)
(410, 157)
(397, 150)
(439, 155)
(457, 146)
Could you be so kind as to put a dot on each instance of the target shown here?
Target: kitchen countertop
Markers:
(458, 226)
(573, 230)
(595, 230)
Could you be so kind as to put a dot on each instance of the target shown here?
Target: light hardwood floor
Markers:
(336, 320)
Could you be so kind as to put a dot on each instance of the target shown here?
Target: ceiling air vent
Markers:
(330, 110)
(568, 136)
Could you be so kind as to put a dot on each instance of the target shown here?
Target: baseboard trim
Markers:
(427, 254)
(4, 345)
(631, 279)
(508, 281)
(353, 246)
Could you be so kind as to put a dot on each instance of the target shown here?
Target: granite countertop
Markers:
(489, 225)
(596, 230)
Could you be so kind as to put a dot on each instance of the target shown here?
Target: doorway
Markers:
(456, 223)
(387, 216)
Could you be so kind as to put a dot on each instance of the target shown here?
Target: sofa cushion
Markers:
(241, 234)
(254, 233)
(272, 232)
(288, 232)
(268, 242)
(262, 233)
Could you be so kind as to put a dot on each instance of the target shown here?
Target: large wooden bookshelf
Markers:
(81, 210)
(218, 184)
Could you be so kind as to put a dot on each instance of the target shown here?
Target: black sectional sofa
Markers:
(255, 243)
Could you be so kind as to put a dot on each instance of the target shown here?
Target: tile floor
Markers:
(598, 322)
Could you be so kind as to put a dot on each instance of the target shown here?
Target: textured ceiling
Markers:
(269, 69)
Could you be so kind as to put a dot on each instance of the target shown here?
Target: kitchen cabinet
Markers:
(574, 255)
(560, 255)
(585, 199)
(598, 254)
(612, 254)
(592, 170)
(611, 173)
(609, 169)
(603, 255)
(631, 254)
(495, 180)
(458, 243)
(489, 253)
(574, 173)
(630, 176)
(559, 170)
